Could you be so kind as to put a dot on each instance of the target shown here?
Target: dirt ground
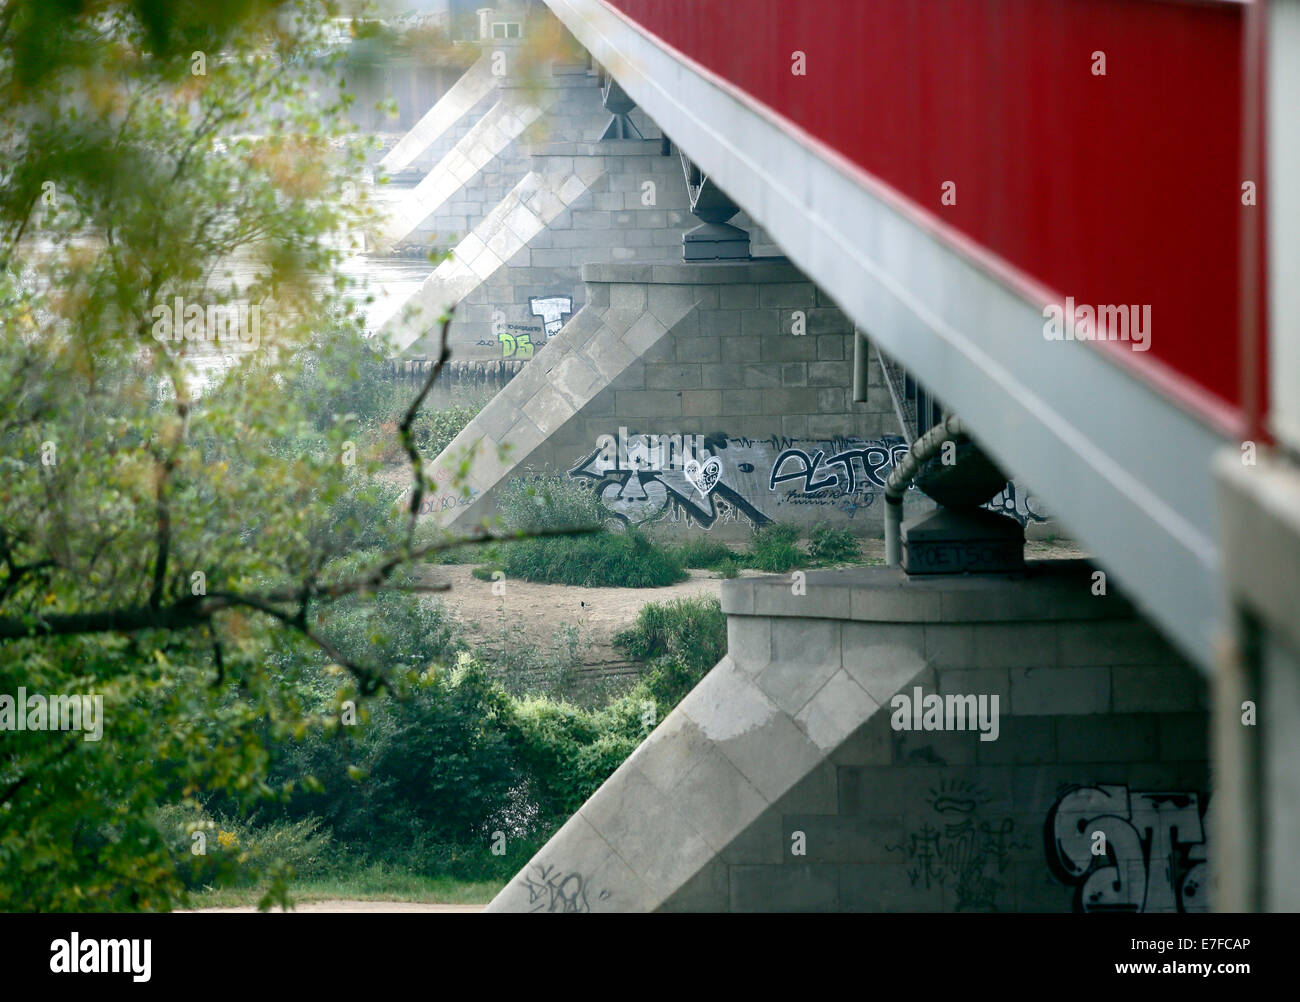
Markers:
(530, 613)
(343, 906)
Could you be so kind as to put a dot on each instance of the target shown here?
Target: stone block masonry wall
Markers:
(1103, 729)
(702, 350)
(782, 783)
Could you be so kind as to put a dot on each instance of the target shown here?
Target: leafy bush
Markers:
(828, 545)
(627, 560)
(433, 765)
(774, 550)
(238, 852)
(434, 430)
(682, 639)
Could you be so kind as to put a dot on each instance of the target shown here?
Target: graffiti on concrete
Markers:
(961, 850)
(760, 480)
(552, 310)
(1130, 852)
(640, 481)
(853, 471)
(1019, 504)
(552, 890)
(516, 340)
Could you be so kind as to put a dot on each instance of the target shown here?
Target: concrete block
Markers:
(787, 888)
(1156, 689)
(788, 294)
(827, 373)
(648, 403)
(886, 887)
(903, 603)
(853, 838)
(1021, 741)
(1107, 738)
(706, 892)
(760, 376)
(643, 332)
(764, 841)
(786, 400)
(701, 403)
(668, 302)
(699, 349)
(664, 377)
(627, 297)
(870, 744)
(737, 403)
(883, 657)
(1016, 645)
(836, 711)
(794, 374)
(717, 799)
(719, 323)
(832, 347)
(980, 681)
(670, 752)
(816, 793)
(793, 675)
(736, 349)
(763, 323)
(773, 756)
(1184, 737)
(1060, 690)
(722, 376)
(1123, 642)
(644, 827)
(950, 646)
(738, 297)
(787, 349)
(941, 748)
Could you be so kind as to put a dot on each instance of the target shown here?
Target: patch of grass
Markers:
(376, 882)
(620, 560)
(703, 553)
(485, 573)
(774, 549)
(694, 625)
(829, 545)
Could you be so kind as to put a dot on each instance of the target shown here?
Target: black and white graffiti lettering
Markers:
(1156, 856)
(552, 310)
(960, 849)
(706, 478)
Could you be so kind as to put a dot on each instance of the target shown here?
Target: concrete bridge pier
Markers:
(795, 778)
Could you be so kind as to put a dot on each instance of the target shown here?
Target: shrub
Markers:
(431, 765)
(774, 549)
(694, 626)
(435, 430)
(621, 560)
(828, 545)
(553, 504)
(702, 553)
(239, 852)
(682, 639)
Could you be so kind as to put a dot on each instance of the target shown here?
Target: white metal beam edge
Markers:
(1125, 470)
